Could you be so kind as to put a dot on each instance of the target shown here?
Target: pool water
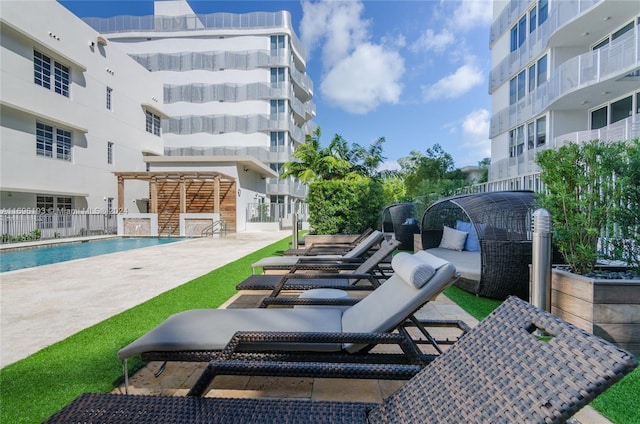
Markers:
(27, 258)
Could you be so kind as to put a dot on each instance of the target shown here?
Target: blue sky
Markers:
(414, 72)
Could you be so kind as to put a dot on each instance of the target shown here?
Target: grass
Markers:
(34, 388)
(620, 404)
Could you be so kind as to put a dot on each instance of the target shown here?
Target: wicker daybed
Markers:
(502, 222)
(394, 220)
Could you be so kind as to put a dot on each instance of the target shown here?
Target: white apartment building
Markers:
(74, 109)
(561, 71)
(236, 92)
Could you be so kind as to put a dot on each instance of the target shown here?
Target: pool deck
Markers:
(43, 305)
(40, 306)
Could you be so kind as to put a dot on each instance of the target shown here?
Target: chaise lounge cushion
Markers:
(468, 264)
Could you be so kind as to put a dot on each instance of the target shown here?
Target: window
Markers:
(541, 131)
(599, 118)
(532, 78)
(277, 167)
(543, 7)
(277, 109)
(277, 44)
(512, 143)
(109, 91)
(619, 33)
(530, 135)
(42, 73)
(621, 109)
(522, 79)
(63, 205)
(517, 87)
(542, 70)
(41, 69)
(44, 140)
(277, 141)
(277, 77)
(519, 34)
(45, 205)
(153, 123)
(110, 153)
(520, 140)
(533, 19)
(63, 144)
(638, 102)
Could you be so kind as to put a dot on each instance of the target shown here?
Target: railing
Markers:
(287, 187)
(29, 225)
(271, 155)
(615, 60)
(276, 212)
(217, 227)
(212, 21)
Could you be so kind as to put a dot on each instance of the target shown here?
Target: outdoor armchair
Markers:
(502, 371)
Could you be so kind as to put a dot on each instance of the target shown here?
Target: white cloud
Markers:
(432, 41)
(359, 75)
(454, 85)
(362, 81)
(470, 14)
(475, 130)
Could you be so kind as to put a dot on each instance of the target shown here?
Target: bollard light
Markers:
(540, 292)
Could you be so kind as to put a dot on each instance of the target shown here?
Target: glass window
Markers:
(277, 109)
(530, 135)
(541, 131)
(109, 91)
(599, 118)
(520, 140)
(621, 109)
(44, 204)
(619, 33)
(63, 144)
(63, 204)
(277, 141)
(44, 140)
(601, 44)
(543, 14)
(514, 38)
(277, 44)
(110, 153)
(532, 78)
(41, 69)
(522, 80)
(533, 19)
(152, 123)
(277, 77)
(522, 30)
(62, 79)
(542, 70)
(637, 102)
(512, 143)
(513, 90)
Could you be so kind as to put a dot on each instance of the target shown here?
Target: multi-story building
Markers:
(74, 110)
(562, 71)
(236, 92)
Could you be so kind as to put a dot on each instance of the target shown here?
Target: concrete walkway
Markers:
(46, 304)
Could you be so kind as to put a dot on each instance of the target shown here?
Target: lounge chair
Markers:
(364, 276)
(499, 372)
(328, 247)
(356, 255)
(198, 335)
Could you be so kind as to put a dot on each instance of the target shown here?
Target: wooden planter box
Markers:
(607, 308)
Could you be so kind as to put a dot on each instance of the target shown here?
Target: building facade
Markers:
(74, 110)
(561, 71)
(236, 92)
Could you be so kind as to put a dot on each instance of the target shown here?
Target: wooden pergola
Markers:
(181, 177)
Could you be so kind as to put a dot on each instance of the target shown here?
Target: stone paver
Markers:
(46, 304)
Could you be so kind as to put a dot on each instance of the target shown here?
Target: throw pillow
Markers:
(471, 243)
(453, 239)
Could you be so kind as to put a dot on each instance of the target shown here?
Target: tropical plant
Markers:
(583, 193)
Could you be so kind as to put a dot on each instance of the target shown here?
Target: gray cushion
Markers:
(211, 329)
(412, 269)
(468, 264)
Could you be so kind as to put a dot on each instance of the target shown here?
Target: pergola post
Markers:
(183, 195)
(120, 194)
(153, 195)
(216, 194)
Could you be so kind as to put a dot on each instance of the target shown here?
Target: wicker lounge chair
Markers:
(364, 276)
(328, 247)
(356, 255)
(198, 335)
(499, 372)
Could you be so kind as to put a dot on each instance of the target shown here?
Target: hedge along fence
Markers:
(349, 206)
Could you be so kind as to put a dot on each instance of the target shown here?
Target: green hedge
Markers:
(349, 206)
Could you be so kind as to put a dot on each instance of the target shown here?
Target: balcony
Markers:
(576, 82)
(287, 187)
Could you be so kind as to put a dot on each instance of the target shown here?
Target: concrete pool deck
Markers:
(43, 305)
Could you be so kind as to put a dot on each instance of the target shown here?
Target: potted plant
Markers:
(592, 192)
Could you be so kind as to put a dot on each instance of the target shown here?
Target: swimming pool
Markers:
(27, 258)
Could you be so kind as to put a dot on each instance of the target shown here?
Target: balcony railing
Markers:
(287, 187)
(536, 42)
(276, 212)
(618, 59)
(212, 21)
(28, 225)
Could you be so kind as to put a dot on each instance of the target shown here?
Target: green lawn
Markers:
(34, 388)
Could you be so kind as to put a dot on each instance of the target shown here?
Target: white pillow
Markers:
(453, 239)
(412, 269)
(432, 260)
